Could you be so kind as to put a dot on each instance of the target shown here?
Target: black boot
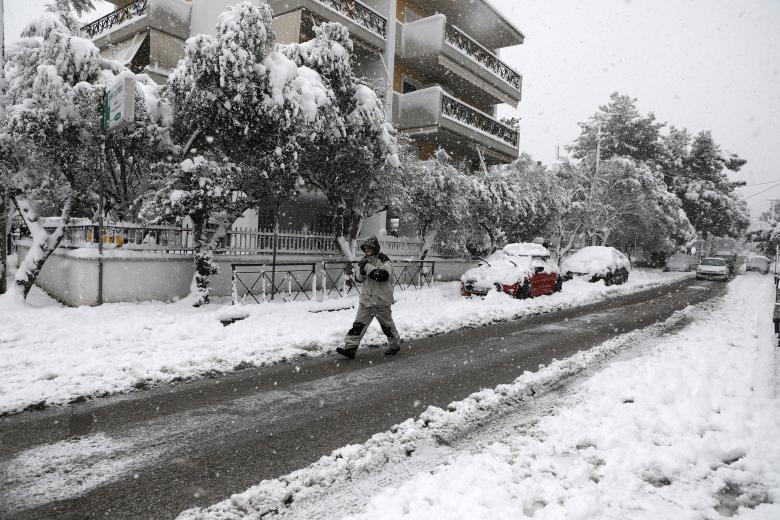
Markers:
(393, 350)
(348, 353)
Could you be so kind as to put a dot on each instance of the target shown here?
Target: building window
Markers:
(409, 85)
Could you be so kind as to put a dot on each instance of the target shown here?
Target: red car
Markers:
(522, 270)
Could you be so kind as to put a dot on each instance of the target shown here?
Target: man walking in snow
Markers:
(375, 272)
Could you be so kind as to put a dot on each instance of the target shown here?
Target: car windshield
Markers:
(713, 261)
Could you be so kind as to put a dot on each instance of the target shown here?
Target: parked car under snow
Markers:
(681, 262)
(713, 268)
(758, 263)
(522, 270)
(594, 263)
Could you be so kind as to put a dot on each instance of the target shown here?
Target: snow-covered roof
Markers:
(526, 249)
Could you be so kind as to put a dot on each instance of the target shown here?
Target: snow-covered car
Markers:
(594, 263)
(758, 263)
(730, 258)
(522, 270)
(680, 262)
(713, 268)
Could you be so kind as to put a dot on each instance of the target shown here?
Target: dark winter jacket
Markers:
(376, 274)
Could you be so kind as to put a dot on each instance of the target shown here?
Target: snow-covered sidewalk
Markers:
(685, 429)
(52, 354)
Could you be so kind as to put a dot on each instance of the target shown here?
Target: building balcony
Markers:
(444, 54)
(363, 22)
(170, 17)
(433, 115)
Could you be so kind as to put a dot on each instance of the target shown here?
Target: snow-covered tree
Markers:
(131, 152)
(55, 85)
(623, 199)
(541, 199)
(65, 10)
(53, 115)
(624, 132)
(493, 196)
(254, 104)
(708, 197)
(248, 103)
(206, 191)
(351, 157)
(437, 200)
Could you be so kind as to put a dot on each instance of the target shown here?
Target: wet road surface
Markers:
(155, 453)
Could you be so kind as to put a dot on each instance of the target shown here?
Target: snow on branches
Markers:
(353, 158)
(55, 84)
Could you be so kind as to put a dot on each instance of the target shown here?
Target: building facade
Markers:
(435, 61)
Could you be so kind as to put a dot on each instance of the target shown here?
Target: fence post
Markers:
(314, 281)
(234, 289)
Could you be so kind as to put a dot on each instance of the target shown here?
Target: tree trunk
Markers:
(203, 259)
(203, 256)
(430, 236)
(43, 244)
(348, 240)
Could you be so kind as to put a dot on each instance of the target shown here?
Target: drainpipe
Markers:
(389, 58)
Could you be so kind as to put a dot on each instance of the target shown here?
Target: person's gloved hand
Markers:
(362, 265)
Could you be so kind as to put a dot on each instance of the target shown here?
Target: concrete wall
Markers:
(71, 276)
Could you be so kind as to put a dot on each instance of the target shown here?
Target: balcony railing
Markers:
(459, 111)
(487, 59)
(360, 14)
(101, 25)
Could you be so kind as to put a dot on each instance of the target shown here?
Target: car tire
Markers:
(558, 284)
(524, 291)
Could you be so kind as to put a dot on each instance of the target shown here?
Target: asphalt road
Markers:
(154, 453)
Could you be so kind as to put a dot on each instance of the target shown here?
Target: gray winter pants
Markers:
(365, 314)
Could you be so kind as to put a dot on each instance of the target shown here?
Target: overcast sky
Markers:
(699, 64)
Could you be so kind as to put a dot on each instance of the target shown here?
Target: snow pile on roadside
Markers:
(434, 426)
(688, 430)
(51, 355)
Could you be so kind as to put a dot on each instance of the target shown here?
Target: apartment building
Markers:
(436, 61)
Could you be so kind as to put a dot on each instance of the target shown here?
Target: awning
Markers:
(125, 51)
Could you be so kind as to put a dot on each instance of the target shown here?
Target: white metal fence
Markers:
(238, 241)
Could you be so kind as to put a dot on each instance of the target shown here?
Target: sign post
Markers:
(118, 112)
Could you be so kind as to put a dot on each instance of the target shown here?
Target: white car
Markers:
(594, 263)
(758, 263)
(522, 270)
(713, 268)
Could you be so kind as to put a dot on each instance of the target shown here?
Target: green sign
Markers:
(119, 104)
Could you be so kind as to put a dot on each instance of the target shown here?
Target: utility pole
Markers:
(598, 148)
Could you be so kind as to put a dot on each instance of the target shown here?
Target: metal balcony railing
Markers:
(467, 45)
(460, 111)
(360, 14)
(114, 18)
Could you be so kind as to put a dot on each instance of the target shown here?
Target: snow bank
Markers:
(685, 430)
(56, 354)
